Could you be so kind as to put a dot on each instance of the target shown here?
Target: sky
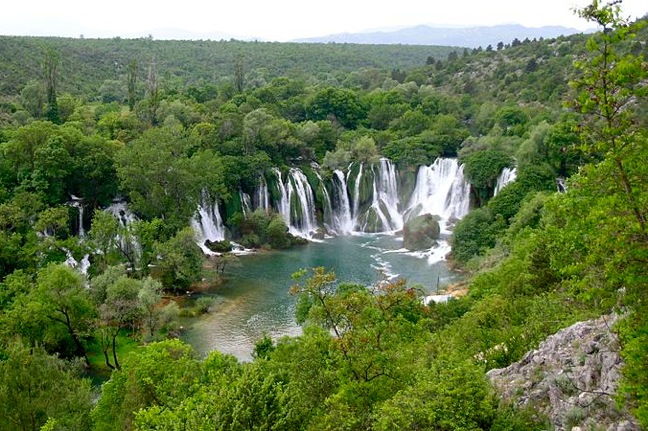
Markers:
(278, 20)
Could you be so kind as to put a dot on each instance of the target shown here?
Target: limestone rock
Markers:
(421, 233)
(571, 378)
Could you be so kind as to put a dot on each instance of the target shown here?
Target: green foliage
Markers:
(161, 374)
(482, 169)
(475, 233)
(36, 388)
(179, 261)
(208, 128)
(449, 396)
(336, 104)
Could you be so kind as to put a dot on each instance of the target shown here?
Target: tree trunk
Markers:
(114, 349)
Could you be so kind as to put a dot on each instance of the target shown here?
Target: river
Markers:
(254, 299)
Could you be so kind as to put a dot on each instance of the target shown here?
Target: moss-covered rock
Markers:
(420, 233)
(219, 246)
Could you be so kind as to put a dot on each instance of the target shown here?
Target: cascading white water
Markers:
(329, 217)
(77, 203)
(388, 194)
(299, 215)
(81, 229)
(356, 194)
(342, 216)
(459, 203)
(283, 206)
(120, 211)
(261, 196)
(82, 266)
(440, 190)
(246, 203)
(506, 177)
(376, 207)
(304, 223)
(207, 223)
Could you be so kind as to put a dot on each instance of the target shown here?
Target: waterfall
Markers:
(507, 176)
(343, 217)
(459, 203)
(283, 206)
(363, 198)
(328, 206)
(376, 207)
(384, 201)
(356, 194)
(440, 190)
(128, 243)
(71, 262)
(297, 203)
(120, 211)
(261, 197)
(246, 203)
(81, 230)
(388, 194)
(77, 203)
(305, 222)
(207, 223)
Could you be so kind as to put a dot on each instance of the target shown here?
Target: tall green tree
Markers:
(50, 66)
(612, 97)
(132, 83)
(611, 92)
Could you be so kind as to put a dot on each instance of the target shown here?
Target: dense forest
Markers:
(108, 147)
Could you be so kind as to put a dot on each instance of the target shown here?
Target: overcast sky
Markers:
(277, 20)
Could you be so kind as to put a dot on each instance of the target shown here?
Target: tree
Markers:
(337, 104)
(180, 261)
(610, 89)
(374, 331)
(66, 301)
(162, 374)
(50, 65)
(482, 169)
(32, 98)
(159, 178)
(35, 387)
(120, 311)
(131, 83)
(611, 95)
(150, 295)
(452, 395)
(239, 73)
(152, 92)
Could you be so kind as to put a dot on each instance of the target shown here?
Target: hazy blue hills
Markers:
(466, 36)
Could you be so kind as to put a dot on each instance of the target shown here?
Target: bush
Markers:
(475, 233)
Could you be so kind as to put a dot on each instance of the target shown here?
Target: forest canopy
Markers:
(108, 147)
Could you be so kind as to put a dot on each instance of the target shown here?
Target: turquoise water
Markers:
(255, 298)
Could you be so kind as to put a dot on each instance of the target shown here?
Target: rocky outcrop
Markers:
(571, 379)
(421, 233)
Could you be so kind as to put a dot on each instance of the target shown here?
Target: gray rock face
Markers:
(571, 378)
(421, 233)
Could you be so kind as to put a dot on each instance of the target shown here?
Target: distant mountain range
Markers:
(471, 37)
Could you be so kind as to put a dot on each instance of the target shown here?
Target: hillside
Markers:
(87, 63)
(472, 37)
